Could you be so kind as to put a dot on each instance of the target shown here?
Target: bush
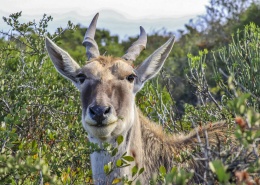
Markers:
(241, 63)
(239, 104)
(42, 139)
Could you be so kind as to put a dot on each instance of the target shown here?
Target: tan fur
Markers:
(108, 60)
(161, 149)
(106, 84)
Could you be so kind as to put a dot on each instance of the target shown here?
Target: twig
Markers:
(240, 85)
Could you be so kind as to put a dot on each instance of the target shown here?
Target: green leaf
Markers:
(34, 144)
(162, 170)
(141, 171)
(128, 158)
(119, 139)
(114, 151)
(119, 163)
(134, 171)
(173, 170)
(108, 168)
(116, 180)
(219, 169)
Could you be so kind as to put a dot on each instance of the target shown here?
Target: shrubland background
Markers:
(212, 74)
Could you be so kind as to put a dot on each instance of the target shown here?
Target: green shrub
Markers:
(241, 61)
(239, 104)
(42, 139)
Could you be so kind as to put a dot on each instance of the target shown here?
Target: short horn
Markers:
(89, 42)
(134, 51)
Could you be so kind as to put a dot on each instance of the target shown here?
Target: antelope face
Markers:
(107, 96)
(108, 85)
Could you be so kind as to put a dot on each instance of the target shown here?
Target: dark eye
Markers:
(131, 77)
(81, 78)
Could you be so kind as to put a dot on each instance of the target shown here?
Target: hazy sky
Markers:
(174, 12)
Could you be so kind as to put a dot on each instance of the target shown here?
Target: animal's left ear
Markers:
(62, 61)
(152, 65)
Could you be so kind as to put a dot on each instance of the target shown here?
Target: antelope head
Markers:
(108, 85)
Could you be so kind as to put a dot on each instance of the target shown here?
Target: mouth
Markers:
(100, 125)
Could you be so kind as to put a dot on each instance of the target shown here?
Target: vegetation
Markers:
(211, 75)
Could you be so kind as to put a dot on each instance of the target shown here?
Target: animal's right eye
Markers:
(131, 78)
(81, 78)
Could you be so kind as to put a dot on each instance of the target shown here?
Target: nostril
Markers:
(91, 111)
(107, 111)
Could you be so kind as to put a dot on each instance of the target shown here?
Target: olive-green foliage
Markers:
(250, 15)
(239, 103)
(242, 63)
(122, 162)
(156, 102)
(175, 176)
(210, 31)
(42, 139)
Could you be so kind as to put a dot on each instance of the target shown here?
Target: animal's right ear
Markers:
(152, 65)
(62, 61)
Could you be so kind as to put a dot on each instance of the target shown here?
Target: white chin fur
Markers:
(108, 132)
(113, 126)
(103, 133)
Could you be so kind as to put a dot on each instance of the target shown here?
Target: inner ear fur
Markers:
(153, 64)
(62, 61)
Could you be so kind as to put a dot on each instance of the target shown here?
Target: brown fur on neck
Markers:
(161, 149)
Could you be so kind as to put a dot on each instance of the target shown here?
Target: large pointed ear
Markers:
(152, 65)
(62, 61)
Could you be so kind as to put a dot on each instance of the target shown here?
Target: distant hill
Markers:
(110, 20)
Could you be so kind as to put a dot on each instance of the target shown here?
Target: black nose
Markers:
(99, 113)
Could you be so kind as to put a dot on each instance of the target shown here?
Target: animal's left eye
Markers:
(81, 78)
(131, 78)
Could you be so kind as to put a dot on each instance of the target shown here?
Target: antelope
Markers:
(108, 86)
